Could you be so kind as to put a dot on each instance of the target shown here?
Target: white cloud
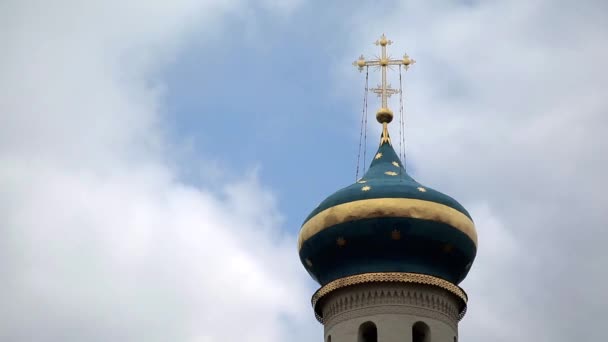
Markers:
(100, 240)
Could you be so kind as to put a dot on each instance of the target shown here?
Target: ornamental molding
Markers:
(407, 299)
(321, 298)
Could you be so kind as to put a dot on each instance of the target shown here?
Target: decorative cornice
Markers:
(388, 277)
(413, 299)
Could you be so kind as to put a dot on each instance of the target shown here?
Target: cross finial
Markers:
(384, 90)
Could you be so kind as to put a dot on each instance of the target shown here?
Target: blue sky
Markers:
(272, 109)
(158, 158)
(269, 100)
(269, 104)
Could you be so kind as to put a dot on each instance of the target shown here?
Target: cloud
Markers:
(100, 239)
(506, 112)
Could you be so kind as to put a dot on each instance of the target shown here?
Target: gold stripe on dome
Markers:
(396, 277)
(387, 207)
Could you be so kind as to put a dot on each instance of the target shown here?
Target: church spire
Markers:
(396, 246)
(384, 115)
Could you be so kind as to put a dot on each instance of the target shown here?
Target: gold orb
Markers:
(384, 115)
(407, 61)
(361, 63)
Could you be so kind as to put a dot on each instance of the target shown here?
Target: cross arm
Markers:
(361, 63)
(395, 62)
(372, 63)
(388, 91)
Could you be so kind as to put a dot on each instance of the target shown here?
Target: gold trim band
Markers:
(387, 207)
(397, 277)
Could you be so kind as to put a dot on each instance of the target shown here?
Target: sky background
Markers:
(157, 159)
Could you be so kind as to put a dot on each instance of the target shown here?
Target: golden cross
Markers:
(384, 90)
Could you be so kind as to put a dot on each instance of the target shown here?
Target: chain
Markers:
(363, 128)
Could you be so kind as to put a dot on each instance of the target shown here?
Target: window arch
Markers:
(368, 332)
(421, 332)
(328, 338)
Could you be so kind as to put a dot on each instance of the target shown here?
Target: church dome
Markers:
(387, 222)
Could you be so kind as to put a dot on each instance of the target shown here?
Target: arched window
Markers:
(328, 338)
(421, 332)
(368, 332)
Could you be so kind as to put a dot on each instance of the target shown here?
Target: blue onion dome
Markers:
(387, 222)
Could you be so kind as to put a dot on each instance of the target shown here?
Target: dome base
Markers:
(319, 299)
